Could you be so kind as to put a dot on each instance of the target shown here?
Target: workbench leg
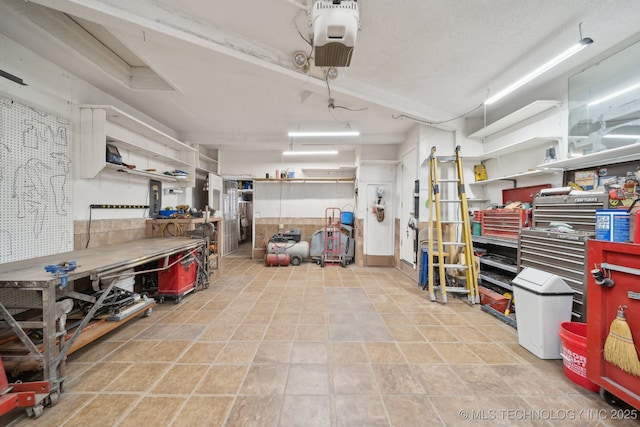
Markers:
(49, 332)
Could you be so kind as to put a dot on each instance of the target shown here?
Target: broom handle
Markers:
(620, 268)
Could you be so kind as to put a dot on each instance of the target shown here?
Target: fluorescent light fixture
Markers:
(310, 153)
(313, 134)
(545, 67)
(621, 136)
(614, 95)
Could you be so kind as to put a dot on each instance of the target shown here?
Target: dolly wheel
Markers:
(296, 260)
(35, 411)
(608, 397)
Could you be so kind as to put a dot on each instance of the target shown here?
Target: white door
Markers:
(379, 224)
(407, 218)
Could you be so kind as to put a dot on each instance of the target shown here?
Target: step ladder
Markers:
(447, 198)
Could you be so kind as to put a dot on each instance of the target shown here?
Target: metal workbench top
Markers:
(93, 261)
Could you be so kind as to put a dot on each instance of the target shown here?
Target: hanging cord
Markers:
(332, 104)
(89, 228)
(404, 116)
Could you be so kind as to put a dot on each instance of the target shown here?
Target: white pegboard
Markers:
(35, 183)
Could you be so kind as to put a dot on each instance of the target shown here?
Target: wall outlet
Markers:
(280, 226)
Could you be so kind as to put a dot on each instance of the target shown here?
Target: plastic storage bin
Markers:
(544, 302)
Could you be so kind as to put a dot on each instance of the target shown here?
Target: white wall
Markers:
(52, 89)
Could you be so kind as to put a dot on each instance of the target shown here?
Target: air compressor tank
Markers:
(278, 260)
(297, 250)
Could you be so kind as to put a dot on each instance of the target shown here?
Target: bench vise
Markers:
(61, 271)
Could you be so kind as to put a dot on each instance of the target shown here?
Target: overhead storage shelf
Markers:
(129, 122)
(104, 124)
(516, 117)
(614, 155)
(528, 174)
(515, 147)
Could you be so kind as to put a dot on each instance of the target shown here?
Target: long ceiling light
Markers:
(614, 95)
(544, 67)
(310, 153)
(329, 134)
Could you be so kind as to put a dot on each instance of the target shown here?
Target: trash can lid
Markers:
(541, 282)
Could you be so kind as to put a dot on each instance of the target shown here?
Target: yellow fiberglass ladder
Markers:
(447, 198)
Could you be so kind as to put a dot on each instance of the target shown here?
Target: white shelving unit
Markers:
(205, 161)
(102, 124)
(514, 147)
(514, 118)
(614, 155)
(515, 177)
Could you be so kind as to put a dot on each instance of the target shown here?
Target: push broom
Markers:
(619, 349)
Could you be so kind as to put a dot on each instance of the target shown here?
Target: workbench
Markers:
(32, 299)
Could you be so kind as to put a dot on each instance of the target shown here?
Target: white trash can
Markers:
(543, 301)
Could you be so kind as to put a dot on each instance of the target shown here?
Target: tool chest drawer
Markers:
(504, 223)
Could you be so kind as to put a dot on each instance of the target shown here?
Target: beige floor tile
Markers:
(421, 352)
(384, 352)
(237, 352)
(202, 352)
(455, 353)
(440, 380)
(180, 379)
(311, 411)
(353, 379)
(411, 411)
(273, 352)
(407, 333)
(139, 377)
(360, 410)
(397, 379)
(102, 411)
(308, 379)
(309, 352)
(221, 379)
(436, 333)
(249, 332)
(280, 332)
(203, 411)
(153, 411)
(255, 411)
(265, 380)
(348, 352)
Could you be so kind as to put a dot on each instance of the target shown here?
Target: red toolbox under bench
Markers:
(179, 279)
(616, 266)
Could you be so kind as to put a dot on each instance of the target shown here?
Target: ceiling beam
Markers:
(149, 16)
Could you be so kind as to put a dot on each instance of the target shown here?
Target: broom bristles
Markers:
(619, 349)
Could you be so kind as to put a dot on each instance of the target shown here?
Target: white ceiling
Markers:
(221, 72)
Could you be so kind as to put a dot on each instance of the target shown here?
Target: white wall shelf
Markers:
(515, 177)
(150, 175)
(205, 161)
(516, 117)
(614, 155)
(379, 162)
(303, 180)
(102, 124)
(514, 147)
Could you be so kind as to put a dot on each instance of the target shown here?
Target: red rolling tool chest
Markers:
(620, 263)
(180, 278)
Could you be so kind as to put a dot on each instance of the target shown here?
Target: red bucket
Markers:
(574, 354)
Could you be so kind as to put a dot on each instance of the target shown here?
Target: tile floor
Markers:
(311, 346)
